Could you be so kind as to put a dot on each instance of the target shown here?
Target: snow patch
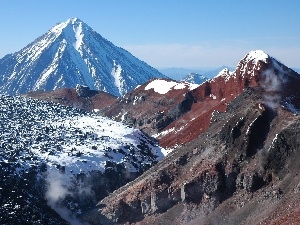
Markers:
(213, 96)
(137, 86)
(226, 74)
(193, 86)
(273, 142)
(163, 86)
(163, 133)
(76, 140)
(250, 125)
(257, 55)
(180, 86)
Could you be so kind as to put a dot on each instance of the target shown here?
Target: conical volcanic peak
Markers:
(73, 53)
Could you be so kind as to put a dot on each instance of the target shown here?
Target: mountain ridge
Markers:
(181, 107)
(242, 169)
(232, 144)
(177, 118)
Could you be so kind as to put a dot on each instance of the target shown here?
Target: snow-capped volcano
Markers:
(72, 53)
(195, 78)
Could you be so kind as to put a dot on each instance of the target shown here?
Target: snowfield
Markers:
(35, 132)
(162, 86)
(63, 158)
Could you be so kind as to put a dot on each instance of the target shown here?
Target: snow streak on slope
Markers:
(78, 35)
(117, 75)
(73, 53)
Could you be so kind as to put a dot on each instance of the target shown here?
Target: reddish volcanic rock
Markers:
(242, 170)
(211, 96)
(153, 105)
(177, 112)
(237, 156)
(69, 97)
(278, 82)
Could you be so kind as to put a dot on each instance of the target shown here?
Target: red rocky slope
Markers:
(153, 105)
(81, 97)
(242, 170)
(179, 116)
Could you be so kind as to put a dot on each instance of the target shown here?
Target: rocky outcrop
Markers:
(149, 110)
(82, 91)
(237, 164)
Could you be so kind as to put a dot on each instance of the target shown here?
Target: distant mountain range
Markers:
(195, 78)
(180, 73)
(73, 53)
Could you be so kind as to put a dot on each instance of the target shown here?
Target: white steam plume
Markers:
(272, 83)
(56, 192)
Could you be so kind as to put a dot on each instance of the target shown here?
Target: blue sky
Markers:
(167, 33)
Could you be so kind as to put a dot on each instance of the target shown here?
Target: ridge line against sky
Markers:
(167, 33)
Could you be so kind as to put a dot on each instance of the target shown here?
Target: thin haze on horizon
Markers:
(167, 33)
